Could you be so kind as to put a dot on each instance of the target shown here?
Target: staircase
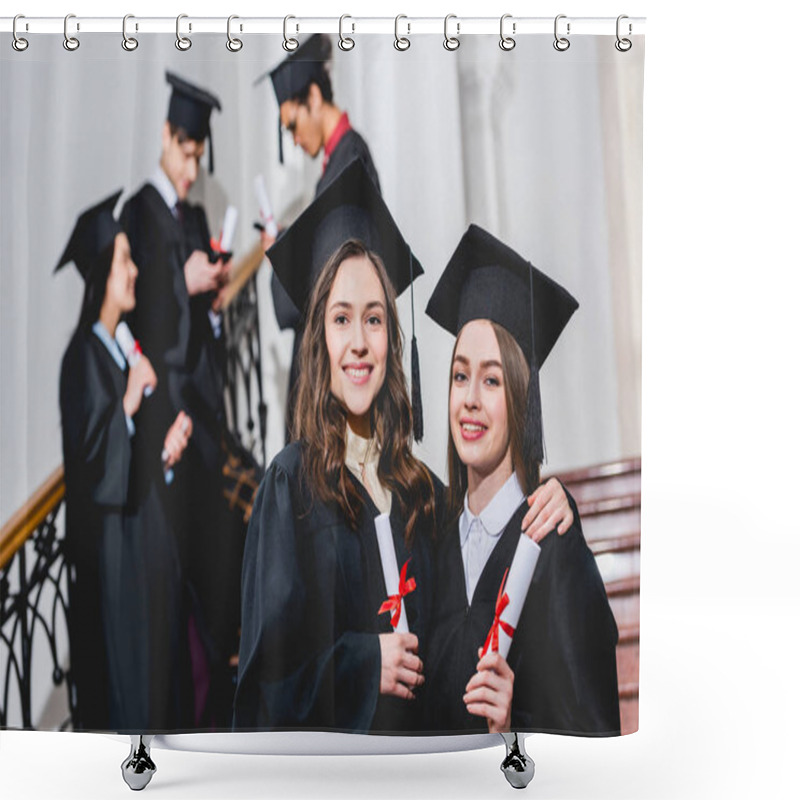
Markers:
(609, 502)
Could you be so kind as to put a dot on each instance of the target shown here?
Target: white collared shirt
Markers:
(480, 534)
(361, 458)
(165, 188)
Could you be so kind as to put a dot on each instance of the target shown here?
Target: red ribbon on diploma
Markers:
(393, 604)
(493, 639)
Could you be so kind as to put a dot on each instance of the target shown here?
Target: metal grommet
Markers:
(18, 43)
(233, 44)
(71, 43)
(507, 42)
(129, 43)
(451, 42)
(345, 42)
(561, 43)
(623, 45)
(289, 43)
(401, 42)
(183, 43)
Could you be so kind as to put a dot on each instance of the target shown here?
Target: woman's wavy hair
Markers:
(516, 375)
(320, 419)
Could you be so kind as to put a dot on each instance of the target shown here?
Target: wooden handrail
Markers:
(31, 515)
(242, 271)
(612, 469)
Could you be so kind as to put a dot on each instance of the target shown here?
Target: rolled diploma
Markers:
(264, 207)
(391, 574)
(130, 349)
(517, 584)
(228, 229)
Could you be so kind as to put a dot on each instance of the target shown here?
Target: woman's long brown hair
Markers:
(516, 374)
(320, 419)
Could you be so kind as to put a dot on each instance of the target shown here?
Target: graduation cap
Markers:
(94, 231)
(297, 71)
(351, 207)
(190, 108)
(486, 279)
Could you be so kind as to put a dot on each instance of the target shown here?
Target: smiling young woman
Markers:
(124, 589)
(560, 673)
(315, 652)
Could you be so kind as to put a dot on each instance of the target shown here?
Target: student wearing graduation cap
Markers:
(314, 651)
(176, 321)
(560, 675)
(123, 623)
(304, 93)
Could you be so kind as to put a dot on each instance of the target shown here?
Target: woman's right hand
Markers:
(176, 439)
(140, 376)
(401, 667)
(490, 692)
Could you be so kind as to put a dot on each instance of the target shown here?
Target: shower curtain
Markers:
(537, 147)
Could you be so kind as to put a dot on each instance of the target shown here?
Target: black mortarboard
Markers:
(190, 108)
(94, 231)
(297, 71)
(351, 207)
(486, 279)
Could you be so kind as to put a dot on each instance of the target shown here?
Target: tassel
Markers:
(280, 140)
(210, 154)
(416, 392)
(533, 442)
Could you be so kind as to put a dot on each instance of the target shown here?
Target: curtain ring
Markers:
(289, 43)
(451, 42)
(401, 42)
(70, 42)
(183, 43)
(129, 43)
(233, 44)
(345, 42)
(507, 42)
(561, 43)
(623, 45)
(18, 43)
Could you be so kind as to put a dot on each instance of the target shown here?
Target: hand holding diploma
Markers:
(266, 218)
(490, 691)
(131, 350)
(140, 376)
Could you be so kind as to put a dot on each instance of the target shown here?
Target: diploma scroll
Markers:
(265, 208)
(130, 349)
(512, 596)
(391, 575)
(228, 229)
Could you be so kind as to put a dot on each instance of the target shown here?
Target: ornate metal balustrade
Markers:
(244, 380)
(33, 602)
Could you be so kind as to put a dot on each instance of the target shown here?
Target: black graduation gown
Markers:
(350, 147)
(311, 589)
(176, 334)
(563, 651)
(119, 547)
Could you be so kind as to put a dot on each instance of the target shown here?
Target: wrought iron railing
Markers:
(33, 603)
(244, 387)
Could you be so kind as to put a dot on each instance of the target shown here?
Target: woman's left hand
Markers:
(490, 692)
(548, 507)
(176, 439)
